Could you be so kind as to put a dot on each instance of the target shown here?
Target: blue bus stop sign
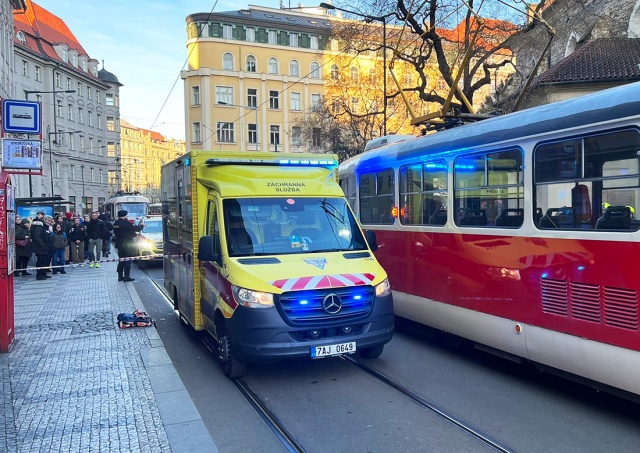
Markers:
(21, 117)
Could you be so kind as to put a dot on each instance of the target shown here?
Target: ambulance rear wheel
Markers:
(232, 367)
(371, 353)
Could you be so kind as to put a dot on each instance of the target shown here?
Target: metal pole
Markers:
(82, 201)
(384, 74)
(51, 162)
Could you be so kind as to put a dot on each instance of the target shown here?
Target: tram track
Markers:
(289, 441)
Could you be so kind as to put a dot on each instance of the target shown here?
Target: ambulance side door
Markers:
(210, 271)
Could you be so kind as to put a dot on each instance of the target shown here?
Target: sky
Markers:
(143, 43)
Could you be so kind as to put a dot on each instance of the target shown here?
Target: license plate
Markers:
(333, 349)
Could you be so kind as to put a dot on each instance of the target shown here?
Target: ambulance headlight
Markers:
(383, 289)
(253, 299)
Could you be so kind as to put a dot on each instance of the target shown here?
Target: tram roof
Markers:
(605, 105)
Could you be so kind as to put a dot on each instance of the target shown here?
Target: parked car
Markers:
(150, 241)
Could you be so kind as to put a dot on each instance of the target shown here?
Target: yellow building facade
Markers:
(142, 154)
(256, 75)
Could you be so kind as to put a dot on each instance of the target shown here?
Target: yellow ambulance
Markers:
(262, 251)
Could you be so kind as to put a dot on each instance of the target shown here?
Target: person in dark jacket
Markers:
(40, 245)
(96, 231)
(59, 244)
(125, 234)
(23, 253)
(106, 241)
(77, 235)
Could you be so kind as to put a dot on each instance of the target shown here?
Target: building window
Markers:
(99, 121)
(274, 99)
(84, 65)
(252, 97)
(111, 149)
(109, 99)
(91, 150)
(314, 43)
(100, 152)
(296, 136)
(68, 83)
(227, 31)
(294, 68)
(58, 81)
(273, 66)
(91, 175)
(251, 63)
(25, 68)
(195, 95)
(335, 104)
(273, 37)
(72, 172)
(253, 133)
(315, 136)
(354, 74)
(38, 74)
(315, 70)
(111, 125)
(250, 35)
(100, 177)
(224, 95)
(316, 101)
(355, 106)
(293, 39)
(70, 112)
(80, 116)
(97, 96)
(295, 102)
(224, 132)
(227, 61)
(274, 135)
(59, 108)
(335, 75)
(90, 118)
(72, 144)
(196, 132)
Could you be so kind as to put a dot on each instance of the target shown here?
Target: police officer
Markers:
(125, 234)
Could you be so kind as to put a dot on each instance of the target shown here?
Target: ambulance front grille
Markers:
(306, 307)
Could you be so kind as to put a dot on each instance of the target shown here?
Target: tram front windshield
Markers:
(275, 226)
(134, 209)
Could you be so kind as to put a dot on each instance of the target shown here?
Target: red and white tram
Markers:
(518, 232)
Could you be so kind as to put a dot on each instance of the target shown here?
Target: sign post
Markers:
(18, 156)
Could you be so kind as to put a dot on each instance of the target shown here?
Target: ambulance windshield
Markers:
(273, 226)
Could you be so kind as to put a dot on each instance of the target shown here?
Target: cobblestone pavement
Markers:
(74, 382)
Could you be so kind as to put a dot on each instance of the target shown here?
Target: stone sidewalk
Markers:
(74, 382)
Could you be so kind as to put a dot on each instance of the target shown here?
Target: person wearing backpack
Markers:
(59, 243)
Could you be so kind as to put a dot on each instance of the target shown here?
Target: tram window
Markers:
(602, 194)
(423, 194)
(377, 197)
(489, 190)
(348, 186)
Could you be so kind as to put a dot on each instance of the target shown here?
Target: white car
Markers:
(150, 241)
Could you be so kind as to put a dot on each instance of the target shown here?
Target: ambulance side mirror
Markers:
(207, 249)
(370, 235)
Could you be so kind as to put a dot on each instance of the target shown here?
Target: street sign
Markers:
(21, 154)
(21, 117)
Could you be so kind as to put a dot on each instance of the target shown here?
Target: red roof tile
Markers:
(43, 30)
(601, 60)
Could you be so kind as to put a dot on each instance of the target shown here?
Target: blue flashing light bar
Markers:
(279, 162)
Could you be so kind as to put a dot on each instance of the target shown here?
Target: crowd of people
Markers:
(63, 239)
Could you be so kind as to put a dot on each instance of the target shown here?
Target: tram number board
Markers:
(318, 352)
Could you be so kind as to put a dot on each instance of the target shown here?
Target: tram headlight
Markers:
(252, 299)
(383, 289)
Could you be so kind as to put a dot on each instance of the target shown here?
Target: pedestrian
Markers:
(59, 244)
(77, 236)
(106, 242)
(125, 233)
(85, 222)
(49, 222)
(96, 231)
(23, 249)
(39, 245)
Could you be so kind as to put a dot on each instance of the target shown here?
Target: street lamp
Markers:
(246, 107)
(49, 134)
(26, 95)
(368, 18)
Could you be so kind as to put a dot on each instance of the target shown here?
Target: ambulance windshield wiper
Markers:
(332, 211)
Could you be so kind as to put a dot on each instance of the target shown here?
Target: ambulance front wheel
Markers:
(371, 353)
(232, 367)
